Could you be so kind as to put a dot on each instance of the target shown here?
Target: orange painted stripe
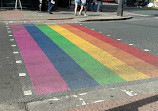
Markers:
(131, 60)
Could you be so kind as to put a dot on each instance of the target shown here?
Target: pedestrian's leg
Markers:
(98, 6)
(49, 3)
(50, 8)
(85, 10)
(81, 10)
(76, 9)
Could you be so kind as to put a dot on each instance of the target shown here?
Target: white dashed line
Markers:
(82, 94)
(9, 31)
(28, 93)
(98, 101)
(15, 52)
(22, 74)
(130, 44)
(19, 61)
(11, 39)
(74, 96)
(55, 99)
(108, 35)
(118, 39)
(146, 50)
(92, 29)
(10, 35)
(13, 45)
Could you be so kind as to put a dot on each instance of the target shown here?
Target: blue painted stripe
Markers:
(71, 72)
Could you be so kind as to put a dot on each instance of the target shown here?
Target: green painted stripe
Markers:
(94, 68)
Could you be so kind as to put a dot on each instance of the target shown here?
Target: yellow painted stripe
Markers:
(122, 69)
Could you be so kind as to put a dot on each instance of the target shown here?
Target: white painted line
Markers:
(28, 93)
(130, 93)
(130, 44)
(83, 102)
(98, 101)
(92, 29)
(13, 45)
(66, 96)
(19, 61)
(82, 94)
(10, 35)
(100, 32)
(118, 39)
(22, 74)
(15, 52)
(108, 35)
(9, 31)
(11, 39)
(75, 96)
(146, 50)
(80, 24)
(55, 99)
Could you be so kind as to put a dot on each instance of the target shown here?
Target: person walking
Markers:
(98, 5)
(51, 4)
(77, 3)
(83, 5)
(93, 5)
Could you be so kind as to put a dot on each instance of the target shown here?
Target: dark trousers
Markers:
(50, 6)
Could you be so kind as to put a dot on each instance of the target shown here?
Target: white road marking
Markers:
(100, 32)
(13, 45)
(28, 93)
(9, 31)
(92, 29)
(118, 39)
(130, 93)
(11, 39)
(22, 74)
(131, 44)
(74, 96)
(98, 101)
(10, 35)
(146, 50)
(15, 52)
(108, 35)
(55, 99)
(83, 102)
(82, 94)
(19, 61)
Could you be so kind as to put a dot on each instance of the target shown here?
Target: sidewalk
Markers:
(58, 16)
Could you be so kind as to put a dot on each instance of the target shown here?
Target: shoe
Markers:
(50, 13)
(85, 15)
(79, 14)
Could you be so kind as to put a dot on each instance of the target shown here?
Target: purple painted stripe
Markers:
(43, 74)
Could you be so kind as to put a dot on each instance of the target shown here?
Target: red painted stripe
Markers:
(131, 50)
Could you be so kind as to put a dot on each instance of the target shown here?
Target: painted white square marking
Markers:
(19, 61)
(15, 52)
(13, 45)
(27, 93)
(22, 74)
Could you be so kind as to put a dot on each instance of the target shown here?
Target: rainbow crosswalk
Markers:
(62, 57)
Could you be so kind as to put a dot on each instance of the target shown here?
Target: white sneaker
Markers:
(85, 15)
(79, 14)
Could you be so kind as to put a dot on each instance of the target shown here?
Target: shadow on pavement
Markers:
(135, 105)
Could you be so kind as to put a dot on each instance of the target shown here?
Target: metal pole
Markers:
(120, 8)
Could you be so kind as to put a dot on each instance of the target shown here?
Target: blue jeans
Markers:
(50, 6)
(98, 5)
